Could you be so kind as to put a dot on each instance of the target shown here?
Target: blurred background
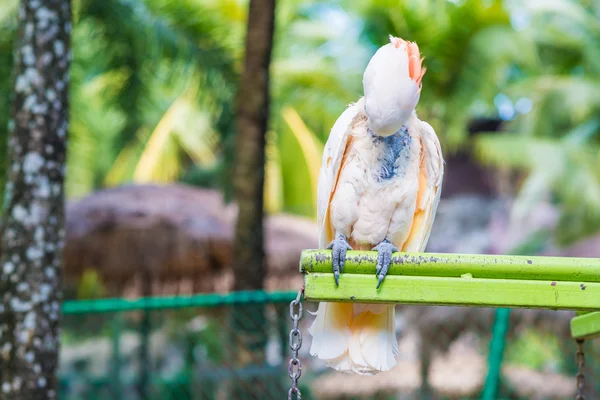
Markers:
(512, 89)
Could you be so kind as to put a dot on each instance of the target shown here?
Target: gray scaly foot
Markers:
(384, 258)
(338, 249)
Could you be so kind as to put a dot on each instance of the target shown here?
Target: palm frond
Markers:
(310, 146)
(567, 33)
(560, 104)
(568, 12)
(516, 151)
(152, 159)
(95, 119)
(274, 199)
(568, 169)
(160, 159)
(145, 33)
(301, 164)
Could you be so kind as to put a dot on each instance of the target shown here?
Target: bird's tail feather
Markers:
(355, 338)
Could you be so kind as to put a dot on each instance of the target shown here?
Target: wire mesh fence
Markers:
(237, 347)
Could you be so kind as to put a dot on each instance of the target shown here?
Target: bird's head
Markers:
(392, 85)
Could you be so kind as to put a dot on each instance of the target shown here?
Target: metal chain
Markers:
(295, 366)
(580, 359)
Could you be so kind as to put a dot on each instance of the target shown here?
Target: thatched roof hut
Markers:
(182, 235)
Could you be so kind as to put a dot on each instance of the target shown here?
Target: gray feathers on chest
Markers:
(393, 155)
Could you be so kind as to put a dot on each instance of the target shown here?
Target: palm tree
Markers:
(33, 218)
(252, 119)
(556, 144)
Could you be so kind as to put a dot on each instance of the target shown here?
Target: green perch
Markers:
(465, 280)
(456, 279)
(586, 326)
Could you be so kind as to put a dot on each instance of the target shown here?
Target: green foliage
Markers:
(557, 144)
(154, 89)
(536, 350)
(90, 285)
(159, 60)
(469, 50)
(204, 331)
(310, 91)
(158, 104)
(7, 26)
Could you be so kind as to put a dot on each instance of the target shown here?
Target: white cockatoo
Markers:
(379, 187)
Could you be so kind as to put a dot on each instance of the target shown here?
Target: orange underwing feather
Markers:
(429, 191)
(417, 224)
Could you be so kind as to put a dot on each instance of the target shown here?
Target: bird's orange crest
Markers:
(416, 70)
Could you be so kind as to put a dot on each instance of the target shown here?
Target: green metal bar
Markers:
(497, 344)
(457, 265)
(465, 291)
(586, 326)
(161, 303)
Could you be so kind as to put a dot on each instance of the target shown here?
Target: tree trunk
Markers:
(249, 326)
(33, 219)
(252, 119)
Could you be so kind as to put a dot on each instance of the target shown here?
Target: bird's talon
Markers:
(338, 248)
(381, 278)
(385, 249)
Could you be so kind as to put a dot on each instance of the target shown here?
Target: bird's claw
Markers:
(338, 249)
(384, 250)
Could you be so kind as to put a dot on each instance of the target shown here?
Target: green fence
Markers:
(189, 348)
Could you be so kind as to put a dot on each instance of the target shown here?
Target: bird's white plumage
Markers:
(360, 338)
(364, 207)
(330, 164)
(376, 184)
(391, 95)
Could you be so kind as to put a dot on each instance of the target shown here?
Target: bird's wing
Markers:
(331, 165)
(431, 173)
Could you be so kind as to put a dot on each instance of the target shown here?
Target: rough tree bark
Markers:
(33, 218)
(252, 119)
